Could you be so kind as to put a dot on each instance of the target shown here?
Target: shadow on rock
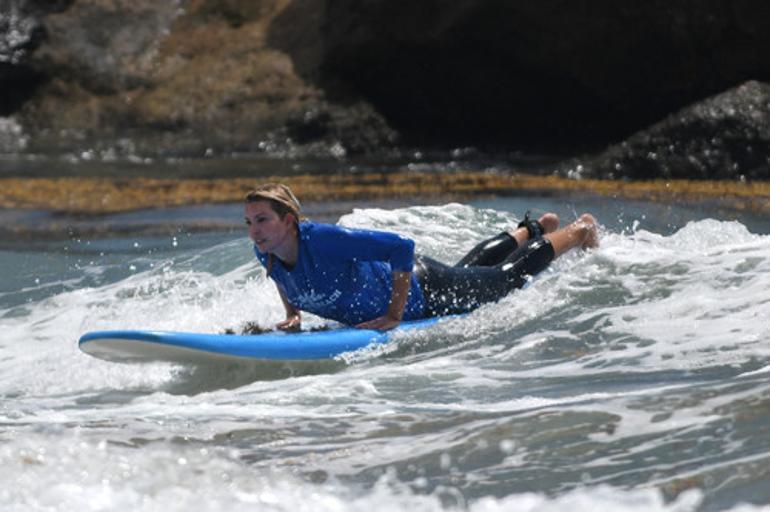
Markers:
(724, 137)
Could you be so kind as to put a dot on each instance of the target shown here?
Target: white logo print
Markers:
(312, 300)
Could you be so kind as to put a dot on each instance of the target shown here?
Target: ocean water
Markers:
(632, 377)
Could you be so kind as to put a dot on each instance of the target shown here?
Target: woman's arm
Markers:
(368, 245)
(293, 320)
(398, 298)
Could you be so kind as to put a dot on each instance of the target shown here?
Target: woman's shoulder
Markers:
(331, 238)
(309, 229)
(321, 231)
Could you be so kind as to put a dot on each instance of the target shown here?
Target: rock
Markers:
(546, 74)
(336, 77)
(20, 34)
(191, 79)
(12, 136)
(105, 46)
(724, 137)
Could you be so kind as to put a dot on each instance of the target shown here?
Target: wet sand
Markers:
(85, 196)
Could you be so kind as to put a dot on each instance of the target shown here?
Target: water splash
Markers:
(620, 378)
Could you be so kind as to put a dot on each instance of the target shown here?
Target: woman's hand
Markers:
(292, 323)
(382, 323)
(293, 320)
(396, 307)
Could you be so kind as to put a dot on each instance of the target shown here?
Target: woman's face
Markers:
(267, 229)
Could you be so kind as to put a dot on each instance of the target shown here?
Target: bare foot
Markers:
(581, 233)
(591, 237)
(550, 222)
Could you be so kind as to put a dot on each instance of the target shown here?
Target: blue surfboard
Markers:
(200, 348)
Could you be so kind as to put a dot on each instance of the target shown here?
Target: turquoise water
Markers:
(630, 377)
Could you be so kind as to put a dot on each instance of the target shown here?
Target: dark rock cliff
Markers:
(526, 72)
(352, 76)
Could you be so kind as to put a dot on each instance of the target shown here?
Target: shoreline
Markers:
(88, 196)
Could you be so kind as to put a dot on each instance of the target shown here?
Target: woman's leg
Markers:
(495, 250)
(489, 252)
(451, 290)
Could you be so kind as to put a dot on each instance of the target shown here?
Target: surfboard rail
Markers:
(188, 347)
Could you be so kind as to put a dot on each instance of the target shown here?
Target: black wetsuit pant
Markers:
(491, 270)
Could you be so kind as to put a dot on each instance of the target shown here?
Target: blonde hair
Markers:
(281, 199)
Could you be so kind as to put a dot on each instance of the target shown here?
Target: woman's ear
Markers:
(292, 218)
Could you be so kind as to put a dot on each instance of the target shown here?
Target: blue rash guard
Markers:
(345, 274)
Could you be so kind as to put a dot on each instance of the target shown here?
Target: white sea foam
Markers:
(79, 475)
(606, 361)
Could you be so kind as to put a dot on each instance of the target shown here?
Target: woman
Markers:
(372, 279)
